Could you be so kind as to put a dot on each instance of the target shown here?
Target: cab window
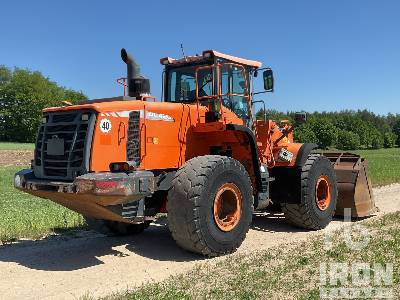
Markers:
(234, 90)
(182, 84)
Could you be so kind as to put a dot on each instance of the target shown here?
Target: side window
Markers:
(238, 81)
(172, 86)
(233, 80)
(205, 81)
(233, 90)
(224, 80)
(186, 87)
(181, 85)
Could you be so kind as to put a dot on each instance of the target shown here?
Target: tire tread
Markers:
(299, 214)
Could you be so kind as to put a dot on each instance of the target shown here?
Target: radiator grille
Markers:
(133, 142)
(76, 135)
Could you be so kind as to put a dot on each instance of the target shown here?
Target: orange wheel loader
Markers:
(197, 154)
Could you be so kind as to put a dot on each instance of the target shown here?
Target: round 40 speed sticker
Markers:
(105, 125)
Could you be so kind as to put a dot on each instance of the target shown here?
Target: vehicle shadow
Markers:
(74, 250)
(157, 243)
(69, 251)
(272, 222)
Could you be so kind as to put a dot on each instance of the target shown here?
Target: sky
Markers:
(326, 55)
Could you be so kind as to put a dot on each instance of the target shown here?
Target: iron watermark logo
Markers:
(357, 279)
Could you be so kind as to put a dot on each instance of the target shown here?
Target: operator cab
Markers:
(211, 79)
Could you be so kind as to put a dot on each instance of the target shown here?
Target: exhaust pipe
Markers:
(138, 85)
(133, 69)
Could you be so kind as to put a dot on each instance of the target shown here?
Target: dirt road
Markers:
(10, 158)
(66, 268)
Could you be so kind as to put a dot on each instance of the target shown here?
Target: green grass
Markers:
(384, 165)
(280, 273)
(16, 146)
(23, 215)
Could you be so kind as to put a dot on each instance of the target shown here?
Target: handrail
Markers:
(123, 81)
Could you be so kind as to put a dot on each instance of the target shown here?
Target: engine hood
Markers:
(118, 106)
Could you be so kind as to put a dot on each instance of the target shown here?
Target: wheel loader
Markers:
(197, 154)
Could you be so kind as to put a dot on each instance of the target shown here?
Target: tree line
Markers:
(345, 130)
(23, 94)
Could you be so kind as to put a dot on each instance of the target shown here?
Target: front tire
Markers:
(210, 205)
(318, 195)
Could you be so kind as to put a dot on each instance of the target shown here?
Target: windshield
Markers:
(181, 84)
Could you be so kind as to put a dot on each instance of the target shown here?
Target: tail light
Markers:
(116, 167)
(109, 186)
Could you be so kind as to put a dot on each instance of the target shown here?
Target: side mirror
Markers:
(268, 80)
(300, 117)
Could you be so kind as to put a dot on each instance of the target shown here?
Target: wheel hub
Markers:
(323, 193)
(227, 206)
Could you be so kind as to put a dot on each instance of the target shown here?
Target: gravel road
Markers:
(10, 158)
(65, 267)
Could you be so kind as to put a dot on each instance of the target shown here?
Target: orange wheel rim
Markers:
(227, 206)
(323, 190)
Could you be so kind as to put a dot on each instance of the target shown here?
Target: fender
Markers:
(304, 151)
(254, 151)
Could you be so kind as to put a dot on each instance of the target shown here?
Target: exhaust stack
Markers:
(138, 85)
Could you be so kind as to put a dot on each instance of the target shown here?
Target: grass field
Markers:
(282, 272)
(384, 165)
(22, 215)
(16, 146)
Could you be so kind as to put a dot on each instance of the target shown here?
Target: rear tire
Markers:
(111, 228)
(318, 195)
(210, 205)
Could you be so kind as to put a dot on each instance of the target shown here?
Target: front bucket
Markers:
(354, 185)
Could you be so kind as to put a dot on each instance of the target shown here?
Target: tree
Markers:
(304, 134)
(389, 139)
(373, 131)
(5, 75)
(74, 96)
(347, 140)
(396, 131)
(325, 132)
(376, 139)
(23, 94)
(272, 114)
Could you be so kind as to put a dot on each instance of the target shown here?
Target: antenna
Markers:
(183, 52)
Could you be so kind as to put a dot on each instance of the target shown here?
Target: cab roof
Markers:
(207, 54)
